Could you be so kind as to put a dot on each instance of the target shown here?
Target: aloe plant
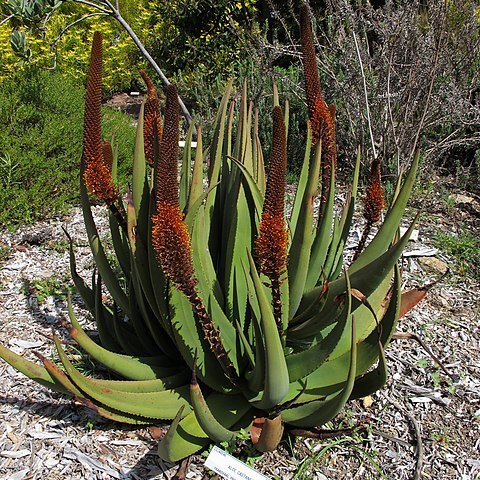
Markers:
(229, 311)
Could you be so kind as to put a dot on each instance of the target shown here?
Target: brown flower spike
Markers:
(170, 235)
(374, 199)
(321, 116)
(272, 242)
(373, 204)
(97, 173)
(166, 170)
(152, 120)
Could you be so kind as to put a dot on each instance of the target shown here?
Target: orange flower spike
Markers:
(167, 165)
(373, 204)
(312, 81)
(170, 236)
(272, 241)
(151, 119)
(107, 152)
(97, 173)
(171, 241)
(271, 244)
(321, 116)
(374, 199)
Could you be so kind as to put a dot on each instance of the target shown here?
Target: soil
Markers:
(424, 423)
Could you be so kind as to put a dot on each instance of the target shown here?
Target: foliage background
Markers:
(41, 128)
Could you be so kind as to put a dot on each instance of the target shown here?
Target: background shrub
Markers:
(41, 125)
(421, 63)
(71, 53)
(421, 67)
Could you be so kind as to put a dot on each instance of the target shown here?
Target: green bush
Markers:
(206, 38)
(465, 247)
(199, 38)
(41, 125)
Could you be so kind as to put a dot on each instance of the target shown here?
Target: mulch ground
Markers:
(423, 424)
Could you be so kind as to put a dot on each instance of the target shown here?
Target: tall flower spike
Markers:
(170, 236)
(272, 242)
(312, 82)
(97, 173)
(321, 116)
(171, 242)
(152, 121)
(374, 203)
(166, 170)
(374, 199)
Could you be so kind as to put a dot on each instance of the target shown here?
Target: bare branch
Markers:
(366, 94)
(390, 114)
(116, 14)
(106, 8)
(76, 22)
(430, 88)
(94, 5)
(6, 19)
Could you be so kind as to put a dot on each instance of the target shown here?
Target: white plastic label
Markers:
(230, 468)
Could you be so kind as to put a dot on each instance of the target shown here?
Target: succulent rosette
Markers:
(229, 311)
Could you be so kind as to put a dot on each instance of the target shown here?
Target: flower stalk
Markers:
(97, 158)
(373, 205)
(170, 236)
(320, 115)
(271, 244)
(152, 120)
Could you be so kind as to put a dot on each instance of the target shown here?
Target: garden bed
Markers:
(422, 424)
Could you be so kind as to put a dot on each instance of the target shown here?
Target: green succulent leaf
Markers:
(325, 380)
(276, 371)
(305, 362)
(196, 188)
(80, 397)
(299, 255)
(142, 404)
(333, 263)
(134, 368)
(321, 242)
(207, 421)
(318, 412)
(186, 436)
(373, 380)
(185, 172)
(32, 370)
(388, 229)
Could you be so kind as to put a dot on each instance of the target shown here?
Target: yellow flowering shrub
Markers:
(189, 37)
(120, 54)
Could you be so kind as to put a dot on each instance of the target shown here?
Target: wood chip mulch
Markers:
(422, 424)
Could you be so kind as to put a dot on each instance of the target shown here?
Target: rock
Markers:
(433, 265)
(459, 198)
(413, 235)
(468, 204)
(37, 238)
(129, 104)
(368, 401)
